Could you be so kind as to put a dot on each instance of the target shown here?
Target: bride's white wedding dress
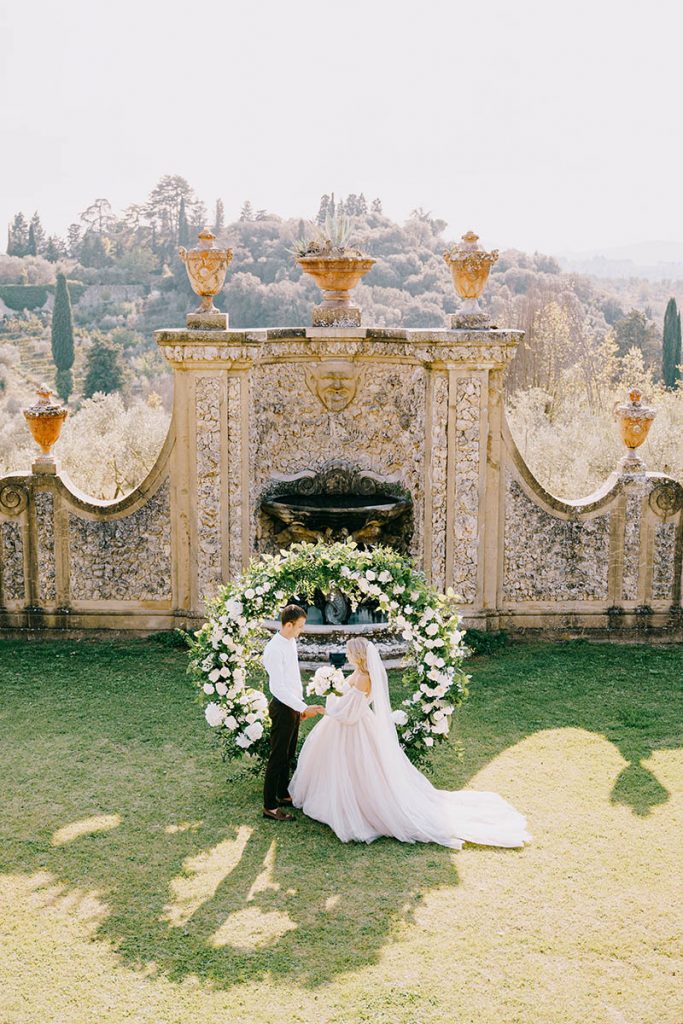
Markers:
(353, 775)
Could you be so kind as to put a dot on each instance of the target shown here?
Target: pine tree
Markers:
(218, 217)
(73, 241)
(324, 207)
(53, 249)
(183, 226)
(362, 205)
(63, 338)
(671, 345)
(18, 236)
(103, 368)
(247, 211)
(376, 206)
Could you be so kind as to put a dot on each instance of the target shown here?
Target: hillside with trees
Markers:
(80, 311)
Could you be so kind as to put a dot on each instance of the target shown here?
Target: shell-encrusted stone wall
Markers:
(123, 559)
(12, 551)
(209, 574)
(382, 429)
(548, 558)
(44, 502)
(467, 487)
(664, 561)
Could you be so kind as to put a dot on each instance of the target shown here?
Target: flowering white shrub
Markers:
(228, 647)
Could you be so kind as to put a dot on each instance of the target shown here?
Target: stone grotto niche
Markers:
(336, 502)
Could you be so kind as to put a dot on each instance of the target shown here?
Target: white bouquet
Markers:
(326, 680)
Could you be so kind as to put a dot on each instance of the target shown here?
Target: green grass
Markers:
(138, 881)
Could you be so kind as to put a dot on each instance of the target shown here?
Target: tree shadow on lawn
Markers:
(630, 695)
(198, 883)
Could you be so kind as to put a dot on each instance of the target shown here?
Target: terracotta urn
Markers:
(336, 276)
(206, 268)
(470, 266)
(45, 419)
(635, 420)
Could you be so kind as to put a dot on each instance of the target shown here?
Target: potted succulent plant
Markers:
(336, 267)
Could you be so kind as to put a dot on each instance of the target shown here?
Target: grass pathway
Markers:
(138, 881)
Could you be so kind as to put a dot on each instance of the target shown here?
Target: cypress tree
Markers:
(63, 338)
(183, 226)
(31, 248)
(671, 345)
(219, 217)
(104, 371)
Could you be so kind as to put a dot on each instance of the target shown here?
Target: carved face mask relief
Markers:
(334, 383)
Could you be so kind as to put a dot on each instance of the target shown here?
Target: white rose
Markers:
(209, 688)
(222, 689)
(414, 595)
(399, 717)
(266, 586)
(345, 571)
(399, 589)
(234, 608)
(441, 727)
(432, 629)
(429, 742)
(223, 656)
(385, 576)
(214, 714)
(254, 731)
(279, 594)
(370, 575)
(231, 723)
(249, 594)
(225, 672)
(242, 741)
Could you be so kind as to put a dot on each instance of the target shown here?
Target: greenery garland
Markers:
(226, 651)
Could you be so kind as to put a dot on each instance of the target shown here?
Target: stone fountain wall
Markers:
(421, 409)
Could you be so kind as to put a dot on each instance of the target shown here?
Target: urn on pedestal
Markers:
(635, 420)
(45, 419)
(206, 268)
(470, 266)
(336, 268)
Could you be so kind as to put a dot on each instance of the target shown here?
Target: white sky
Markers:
(541, 125)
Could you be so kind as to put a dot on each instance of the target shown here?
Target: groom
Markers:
(287, 709)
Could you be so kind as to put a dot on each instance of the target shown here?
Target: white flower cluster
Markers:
(326, 680)
(236, 707)
(227, 645)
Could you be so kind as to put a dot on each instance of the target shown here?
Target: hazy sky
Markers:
(541, 125)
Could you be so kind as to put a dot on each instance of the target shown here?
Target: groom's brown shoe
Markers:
(284, 801)
(278, 815)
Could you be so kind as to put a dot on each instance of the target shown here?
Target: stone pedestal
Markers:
(207, 321)
(329, 316)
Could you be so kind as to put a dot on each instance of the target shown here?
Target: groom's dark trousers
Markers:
(284, 733)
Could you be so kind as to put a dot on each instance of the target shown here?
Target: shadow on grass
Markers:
(103, 753)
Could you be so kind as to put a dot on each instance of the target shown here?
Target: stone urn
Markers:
(635, 420)
(336, 275)
(45, 419)
(470, 266)
(206, 268)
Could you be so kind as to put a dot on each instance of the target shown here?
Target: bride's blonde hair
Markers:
(357, 648)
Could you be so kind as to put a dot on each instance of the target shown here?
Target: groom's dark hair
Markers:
(291, 613)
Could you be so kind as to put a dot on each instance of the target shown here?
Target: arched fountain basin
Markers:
(350, 512)
(317, 642)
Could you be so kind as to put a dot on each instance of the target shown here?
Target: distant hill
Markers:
(654, 261)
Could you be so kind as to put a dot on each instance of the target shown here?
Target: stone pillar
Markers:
(209, 461)
(474, 510)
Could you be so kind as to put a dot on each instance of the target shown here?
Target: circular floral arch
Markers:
(226, 652)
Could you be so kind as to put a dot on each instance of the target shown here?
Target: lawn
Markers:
(138, 882)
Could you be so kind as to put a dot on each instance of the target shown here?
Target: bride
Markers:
(353, 775)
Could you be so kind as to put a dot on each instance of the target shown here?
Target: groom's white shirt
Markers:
(284, 677)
